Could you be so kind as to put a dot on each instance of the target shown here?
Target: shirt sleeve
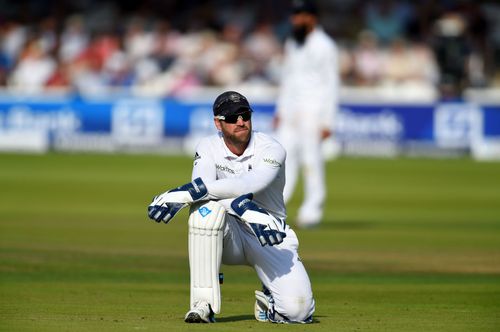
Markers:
(204, 164)
(331, 84)
(268, 168)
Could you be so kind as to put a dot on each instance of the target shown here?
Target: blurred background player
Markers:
(306, 106)
(238, 177)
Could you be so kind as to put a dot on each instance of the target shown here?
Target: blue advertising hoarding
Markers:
(115, 124)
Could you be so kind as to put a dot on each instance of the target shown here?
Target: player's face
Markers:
(236, 130)
(303, 20)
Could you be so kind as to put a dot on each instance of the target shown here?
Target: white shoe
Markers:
(261, 308)
(200, 313)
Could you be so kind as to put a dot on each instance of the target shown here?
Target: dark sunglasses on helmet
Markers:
(233, 118)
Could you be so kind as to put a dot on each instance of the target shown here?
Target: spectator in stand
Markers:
(424, 68)
(87, 70)
(60, 80)
(368, 59)
(492, 13)
(217, 44)
(74, 39)
(481, 61)
(13, 37)
(260, 48)
(347, 66)
(34, 68)
(117, 69)
(166, 43)
(138, 41)
(48, 35)
(226, 68)
(452, 53)
(387, 19)
(397, 63)
(410, 68)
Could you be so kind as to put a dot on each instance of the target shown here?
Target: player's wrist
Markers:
(198, 190)
(190, 192)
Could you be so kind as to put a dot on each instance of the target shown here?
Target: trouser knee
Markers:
(296, 309)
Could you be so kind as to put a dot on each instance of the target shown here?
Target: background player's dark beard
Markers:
(299, 34)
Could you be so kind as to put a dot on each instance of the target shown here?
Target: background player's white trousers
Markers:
(303, 147)
(278, 267)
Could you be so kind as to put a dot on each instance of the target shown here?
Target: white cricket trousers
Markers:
(302, 143)
(278, 267)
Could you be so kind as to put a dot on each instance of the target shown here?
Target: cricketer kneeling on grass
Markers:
(237, 216)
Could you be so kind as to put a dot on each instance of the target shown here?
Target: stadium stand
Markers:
(169, 48)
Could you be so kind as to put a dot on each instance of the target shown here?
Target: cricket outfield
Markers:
(405, 245)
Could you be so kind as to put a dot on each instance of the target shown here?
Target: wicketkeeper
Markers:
(237, 216)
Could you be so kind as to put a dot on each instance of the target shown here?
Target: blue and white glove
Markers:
(165, 206)
(268, 229)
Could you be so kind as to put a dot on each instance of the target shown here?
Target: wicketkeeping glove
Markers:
(268, 229)
(165, 206)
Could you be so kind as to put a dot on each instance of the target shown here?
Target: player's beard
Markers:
(239, 137)
(299, 34)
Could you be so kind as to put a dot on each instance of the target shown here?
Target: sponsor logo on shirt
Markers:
(272, 162)
(223, 168)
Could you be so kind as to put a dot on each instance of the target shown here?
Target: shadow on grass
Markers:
(238, 318)
(235, 318)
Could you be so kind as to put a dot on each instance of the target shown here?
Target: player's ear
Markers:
(217, 124)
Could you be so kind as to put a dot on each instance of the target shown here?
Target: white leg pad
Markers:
(206, 232)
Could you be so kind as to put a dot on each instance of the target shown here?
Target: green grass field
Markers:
(406, 245)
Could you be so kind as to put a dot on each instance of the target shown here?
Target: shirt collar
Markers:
(249, 151)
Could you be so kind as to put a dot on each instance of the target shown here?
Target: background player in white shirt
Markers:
(306, 107)
(237, 216)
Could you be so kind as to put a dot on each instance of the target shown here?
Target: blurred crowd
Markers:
(173, 47)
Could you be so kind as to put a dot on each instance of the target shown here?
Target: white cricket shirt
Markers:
(310, 80)
(259, 170)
